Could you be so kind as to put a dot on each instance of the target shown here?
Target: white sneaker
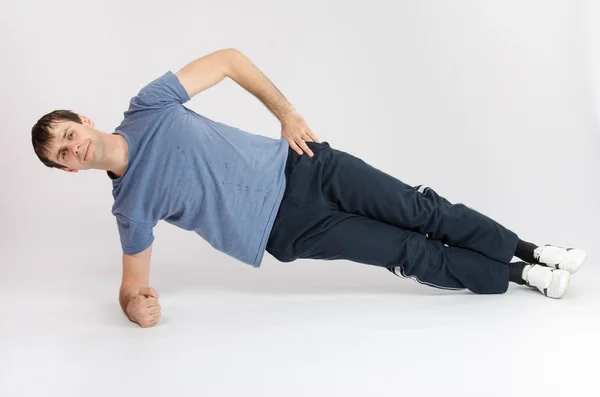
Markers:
(569, 259)
(550, 282)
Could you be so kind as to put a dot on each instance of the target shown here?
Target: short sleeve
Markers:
(135, 236)
(160, 92)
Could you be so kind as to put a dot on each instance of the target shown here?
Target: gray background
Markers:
(493, 103)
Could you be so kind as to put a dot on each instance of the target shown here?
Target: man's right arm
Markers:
(135, 291)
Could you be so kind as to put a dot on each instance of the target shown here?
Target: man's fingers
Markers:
(154, 310)
(294, 146)
(147, 324)
(152, 292)
(155, 319)
(150, 302)
(150, 320)
(149, 291)
(305, 147)
(312, 136)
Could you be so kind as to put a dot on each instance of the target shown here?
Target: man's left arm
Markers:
(207, 71)
(210, 69)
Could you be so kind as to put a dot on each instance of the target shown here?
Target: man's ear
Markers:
(87, 121)
(69, 169)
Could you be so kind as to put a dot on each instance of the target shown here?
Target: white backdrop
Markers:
(591, 37)
(489, 102)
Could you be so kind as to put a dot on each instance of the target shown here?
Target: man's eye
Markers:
(64, 152)
(71, 134)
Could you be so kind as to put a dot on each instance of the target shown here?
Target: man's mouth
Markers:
(86, 151)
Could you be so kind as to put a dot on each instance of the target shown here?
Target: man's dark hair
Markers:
(42, 138)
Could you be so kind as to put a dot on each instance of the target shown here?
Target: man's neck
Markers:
(122, 148)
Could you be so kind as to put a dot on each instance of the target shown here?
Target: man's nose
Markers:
(75, 147)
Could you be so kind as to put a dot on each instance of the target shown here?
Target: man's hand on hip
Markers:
(296, 132)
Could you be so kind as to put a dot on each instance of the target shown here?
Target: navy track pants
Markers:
(336, 206)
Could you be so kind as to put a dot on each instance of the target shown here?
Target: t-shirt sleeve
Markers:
(161, 92)
(135, 236)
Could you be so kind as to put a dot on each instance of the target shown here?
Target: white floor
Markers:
(306, 328)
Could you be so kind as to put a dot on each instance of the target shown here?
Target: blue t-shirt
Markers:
(221, 182)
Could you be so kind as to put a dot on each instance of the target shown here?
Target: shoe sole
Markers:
(562, 283)
(573, 260)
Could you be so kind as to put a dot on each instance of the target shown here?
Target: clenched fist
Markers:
(144, 308)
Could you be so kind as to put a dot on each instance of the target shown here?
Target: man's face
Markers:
(77, 146)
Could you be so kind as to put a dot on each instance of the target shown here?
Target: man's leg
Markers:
(353, 186)
(308, 225)
(569, 259)
(305, 230)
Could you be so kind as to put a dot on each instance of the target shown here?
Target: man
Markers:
(293, 197)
